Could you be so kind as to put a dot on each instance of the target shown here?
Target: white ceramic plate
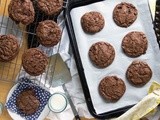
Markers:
(15, 116)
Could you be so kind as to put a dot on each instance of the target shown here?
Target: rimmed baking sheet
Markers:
(114, 35)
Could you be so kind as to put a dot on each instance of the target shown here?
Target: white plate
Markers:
(15, 116)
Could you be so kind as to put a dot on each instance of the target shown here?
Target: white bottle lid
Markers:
(57, 102)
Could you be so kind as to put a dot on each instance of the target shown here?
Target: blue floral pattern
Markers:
(42, 95)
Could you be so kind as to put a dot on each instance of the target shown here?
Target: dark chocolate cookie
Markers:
(21, 11)
(112, 88)
(102, 54)
(139, 73)
(27, 102)
(50, 7)
(125, 14)
(92, 22)
(48, 33)
(135, 44)
(9, 47)
(34, 61)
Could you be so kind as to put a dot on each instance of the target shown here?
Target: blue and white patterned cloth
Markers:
(42, 95)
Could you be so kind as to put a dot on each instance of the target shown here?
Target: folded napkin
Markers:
(42, 95)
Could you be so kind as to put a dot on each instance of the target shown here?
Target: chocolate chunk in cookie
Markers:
(27, 102)
(92, 22)
(50, 7)
(135, 44)
(48, 33)
(9, 47)
(21, 11)
(112, 88)
(34, 61)
(139, 73)
(101, 54)
(125, 14)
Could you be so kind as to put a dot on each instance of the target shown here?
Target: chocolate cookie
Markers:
(21, 11)
(135, 44)
(9, 47)
(112, 88)
(125, 14)
(48, 33)
(27, 102)
(34, 61)
(139, 73)
(92, 22)
(50, 7)
(102, 54)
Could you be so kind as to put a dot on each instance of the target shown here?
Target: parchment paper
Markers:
(113, 34)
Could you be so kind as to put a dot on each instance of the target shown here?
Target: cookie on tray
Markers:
(50, 7)
(124, 14)
(92, 22)
(9, 47)
(34, 61)
(138, 73)
(48, 33)
(21, 11)
(112, 88)
(101, 54)
(27, 102)
(135, 44)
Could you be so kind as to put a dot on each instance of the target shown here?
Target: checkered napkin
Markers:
(41, 94)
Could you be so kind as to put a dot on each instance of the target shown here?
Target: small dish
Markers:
(15, 116)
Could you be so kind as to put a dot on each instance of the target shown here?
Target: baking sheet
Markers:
(113, 34)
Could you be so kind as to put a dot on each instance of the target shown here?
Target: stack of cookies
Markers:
(102, 54)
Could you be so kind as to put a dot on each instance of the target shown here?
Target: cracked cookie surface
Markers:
(124, 14)
(21, 11)
(48, 33)
(27, 101)
(50, 7)
(135, 44)
(112, 88)
(101, 54)
(34, 61)
(139, 73)
(9, 47)
(92, 22)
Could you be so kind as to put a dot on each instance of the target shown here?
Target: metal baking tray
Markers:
(157, 21)
(77, 3)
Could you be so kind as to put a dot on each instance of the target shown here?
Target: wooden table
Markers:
(9, 71)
